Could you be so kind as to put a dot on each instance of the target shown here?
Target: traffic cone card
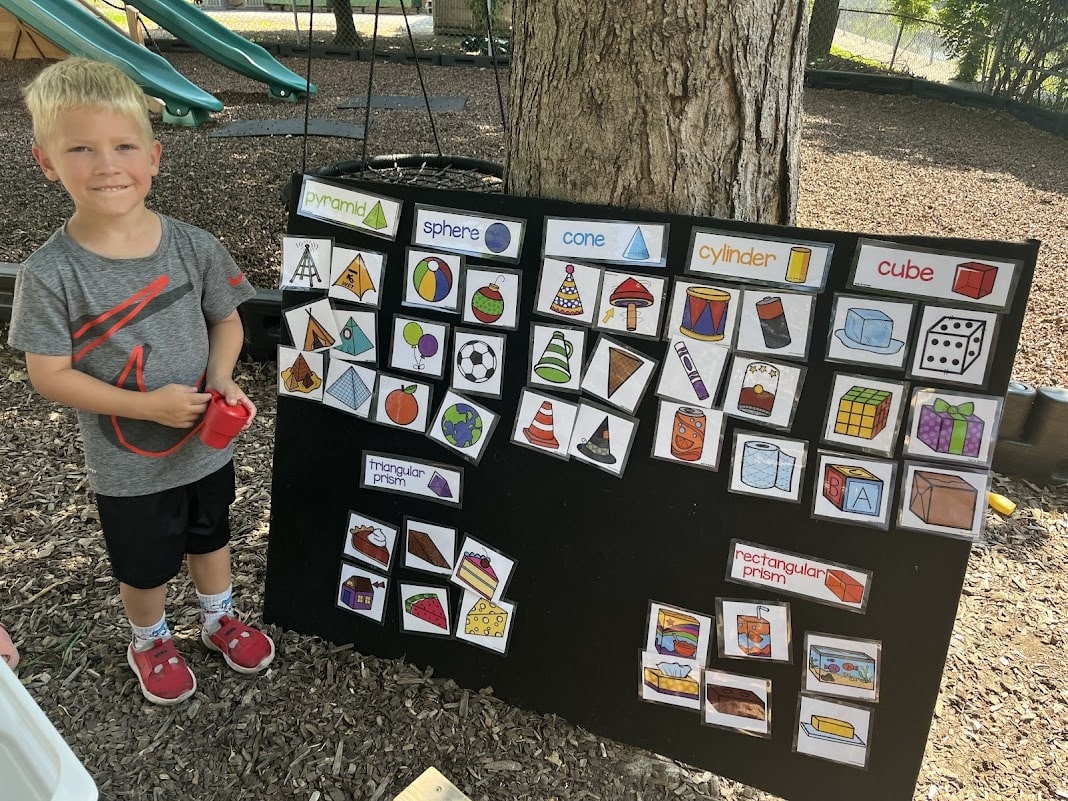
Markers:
(349, 387)
(556, 354)
(300, 373)
(312, 325)
(568, 291)
(356, 276)
(357, 336)
(617, 374)
(305, 262)
(543, 423)
(602, 438)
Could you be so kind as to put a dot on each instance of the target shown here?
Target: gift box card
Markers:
(953, 427)
(864, 413)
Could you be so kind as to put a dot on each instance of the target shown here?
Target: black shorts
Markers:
(148, 536)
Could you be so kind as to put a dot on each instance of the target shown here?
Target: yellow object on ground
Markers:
(999, 503)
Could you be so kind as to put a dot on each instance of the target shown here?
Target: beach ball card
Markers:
(775, 322)
(478, 362)
(432, 279)
(617, 374)
(688, 435)
(402, 403)
(369, 540)
(312, 326)
(954, 345)
(419, 346)
(631, 304)
(485, 623)
(602, 438)
(463, 426)
(300, 373)
(362, 592)
(556, 357)
(840, 666)
(703, 313)
(429, 547)
(865, 413)
(735, 702)
(940, 500)
(833, 730)
(349, 387)
(670, 680)
(866, 330)
(424, 609)
(950, 427)
(758, 630)
(568, 291)
(491, 297)
(544, 423)
(852, 489)
(772, 467)
(763, 391)
(305, 262)
(357, 339)
(676, 633)
(356, 276)
(692, 372)
(482, 570)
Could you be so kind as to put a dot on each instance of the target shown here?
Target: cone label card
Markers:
(466, 232)
(794, 264)
(356, 276)
(568, 291)
(634, 243)
(544, 423)
(305, 262)
(368, 213)
(405, 476)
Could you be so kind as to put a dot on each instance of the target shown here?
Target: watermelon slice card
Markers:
(425, 610)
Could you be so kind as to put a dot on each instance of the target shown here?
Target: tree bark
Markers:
(345, 30)
(821, 28)
(689, 108)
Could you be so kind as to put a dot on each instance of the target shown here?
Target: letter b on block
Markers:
(853, 489)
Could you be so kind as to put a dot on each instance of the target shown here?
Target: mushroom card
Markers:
(424, 609)
(482, 570)
(703, 312)
(692, 371)
(300, 373)
(429, 547)
(369, 540)
(478, 362)
(617, 374)
(312, 326)
(419, 346)
(356, 275)
(543, 423)
(690, 436)
(357, 339)
(349, 387)
(362, 592)
(485, 623)
(402, 403)
(463, 426)
(432, 279)
(763, 391)
(556, 357)
(568, 291)
(491, 297)
(305, 262)
(631, 304)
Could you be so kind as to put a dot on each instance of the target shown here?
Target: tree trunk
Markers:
(689, 108)
(345, 31)
(821, 28)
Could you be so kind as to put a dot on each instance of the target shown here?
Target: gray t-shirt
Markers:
(135, 323)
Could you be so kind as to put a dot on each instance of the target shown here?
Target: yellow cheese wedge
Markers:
(839, 728)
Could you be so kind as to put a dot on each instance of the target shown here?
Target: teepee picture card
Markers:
(312, 326)
(568, 291)
(300, 373)
(349, 387)
(356, 276)
(357, 336)
(305, 262)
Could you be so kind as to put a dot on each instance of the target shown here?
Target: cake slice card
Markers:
(758, 630)
(357, 336)
(853, 489)
(617, 374)
(370, 540)
(432, 279)
(602, 438)
(674, 632)
(300, 373)
(833, 730)
(954, 345)
(491, 297)
(402, 403)
(544, 423)
(362, 592)
(631, 304)
(556, 357)
(424, 609)
(736, 703)
(942, 500)
(777, 323)
(865, 413)
(349, 387)
(769, 466)
(305, 262)
(482, 569)
(429, 547)
(867, 330)
(842, 666)
(312, 325)
(692, 371)
(463, 426)
(485, 623)
(670, 680)
(419, 346)
(952, 427)
(478, 362)
(703, 313)
(763, 391)
(568, 291)
(688, 435)
(356, 275)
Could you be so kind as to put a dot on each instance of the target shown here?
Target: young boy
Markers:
(130, 317)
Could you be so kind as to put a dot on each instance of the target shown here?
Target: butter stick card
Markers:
(833, 730)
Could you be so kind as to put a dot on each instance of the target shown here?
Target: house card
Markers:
(357, 339)
(419, 346)
(841, 666)
(463, 426)
(692, 371)
(688, 435)
(674, 632)
(432, 481)
(864, 413)
(362, 592)
(485, 623)
(631, 304)
(459, 231)
(478, 362)
(312, 326)
(544, 423)
(954, 345)
(853, 489)
(868, 330)
(757, 630)
(703, 312)
(356, 276)
(429, 547)
(424, 609)
(952, 427)
(791, 263)
(349, 387)
(432, 280)
(556, 357)
(775, 322)
(402, 403)
(300, 373)
(482, 569)
(769, 466)
(568, 291)
(369, 540)
(602, 438)
(491, 297)
(670, 680)
(616, 242)
(941, 500)
(617, 374)
(763, 391)
(737, 703)
(305, 262)
(833, 730)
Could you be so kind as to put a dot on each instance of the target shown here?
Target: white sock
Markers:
(213, 607)
(144, 637)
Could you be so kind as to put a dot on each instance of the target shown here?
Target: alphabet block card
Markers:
(485, 623)
(312, 326)
(753, 630)
(852, 489)
(482, 570)
(419, 346)
(763, 391)
(833, 730)
(945, 426)
(568, 291)
(670, 680)
(617, 374)
(402, 403)
(369, 540)
(775, 322)
(300, 373)
(703, 313)
(954, 345)
(362, 592)
(543, 423)
(769, 466)
(356, 275)
(692, 371)
(463, 426)
(556, 357)
(867, 330)
(305, 262)
(491, 297)
(432, 280)
(688, 435)
(845, 667)
(737, 703)
(357, 339)
(864, 413)
(429, 547)
(424, 609)
(631, 304)
(467, 232)
(792, 263)
(602, 438)
(674, 632)
(617, 242)
(940, 500)
(349, 387)
(478, 362)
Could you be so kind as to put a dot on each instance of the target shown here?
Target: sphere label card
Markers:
(478, 362)
(795, 263)
(568, 291)
(362, 592)
(428, 480)
(491, 297)
(635, 243)
(463, 426)
(466, 232)
(362, 211)
(432, 280)
(736, 703)
(356, 276)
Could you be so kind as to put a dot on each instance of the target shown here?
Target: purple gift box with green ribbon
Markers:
(949, 429)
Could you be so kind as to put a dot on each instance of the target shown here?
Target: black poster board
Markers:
(592, 550)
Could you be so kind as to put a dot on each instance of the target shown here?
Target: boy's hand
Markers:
(234, 395)
(177, 405)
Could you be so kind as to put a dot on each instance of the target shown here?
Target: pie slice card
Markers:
(769, 466)
(758, 630)
(419, 346)
(478, 362)
(688, 435)
(432, 279)
(312, 326)
(356, 275)
(568, 291)
(357, 336)
(370, 540)
(833, 730)
(402, 403)
(954, 345)
(602, 438)
(300, 373)
(865, 413)
(703, 312)
(737, 703)
(763, 391)
(853, 489)
(953, 427)
(670, 680)
(617, 374)
(631, 304)
(692, 371)
(485, 623)
(867, 330)
(482, 569)
(775, 322)
(429, 547)
(556, 357)
(491, 297)
(544, 423)
(362, 592)
(463, 426)
(942, 500)
(305, 262)
(424, 609)
(349, 387)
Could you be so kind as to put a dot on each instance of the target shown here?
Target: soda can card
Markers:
(432, 280)
(419, 346)
(757, 630)
(312, 326)
(485, 623)
(941, 500)
(834, 730)
(305, 262)
(300, 373)
(568, 291)
(678, 633)
(769, 466)
(617, 374)
(703, 312)
(424, 609)
(845, 667)
(356, 275)
(735, 702)
(349, 387)
(362, 592)
(429, 547)
(491, 297)
(670, 680)
(631, 304)
(763, 391)
(692, 371)
(463, 426)
(602, 438)
(688, 435)
(402, 403)
(357, 339)
(775, 322)
(954, 345)
(478, 362)
(369, 540)
(556, 357)
(853, 489)
(952, 427)
(544, 423)
(865, 413)
(867, 330)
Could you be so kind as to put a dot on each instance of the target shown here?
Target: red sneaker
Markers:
(164, 676)
(245, 649)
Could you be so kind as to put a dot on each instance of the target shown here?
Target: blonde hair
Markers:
(79, 83)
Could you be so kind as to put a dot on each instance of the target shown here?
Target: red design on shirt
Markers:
(236, 279)
(138, 300)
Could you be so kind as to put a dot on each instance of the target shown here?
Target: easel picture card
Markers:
(602, 438)
(432, 280)
(429, 547)
(402, 475)
(485, 623)
(300, 373)
(867, 330)
(478, 362)
(419, 346)
(402, 403)
(305, 262)
(940, 500)
(349, 387)
(763, 391)
(842, 666)
(833, 730)
(612, 241)
(631, 304)
(674, 632)
(544, 423)
(794, 264)
(688, 435)
(772, 467)
(356, 276)
(463, 426)
(853, 489)
(568, 291)
(954, 345)
(482, 570)
(617, 374)
(736, 703)
(670, 680)
(369, 540)
(491, 297)
(312, 325)
(757, 630)
(461, 231)
(703, 313)
(357, 339)
(362, 592)
(425, 609)
(692, 372)
(775, 322)
(556, 357)
(946, 426)
(864, 413)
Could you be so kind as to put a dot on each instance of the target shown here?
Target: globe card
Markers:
(463, 426)
(478, 362)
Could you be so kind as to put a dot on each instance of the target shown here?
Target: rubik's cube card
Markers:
(864, 413)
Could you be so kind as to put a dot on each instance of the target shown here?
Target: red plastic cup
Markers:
(222, 422)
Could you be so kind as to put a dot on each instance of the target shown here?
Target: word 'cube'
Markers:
(974, 279)
(853, 489)
(953, 344)
(863, 412)
(943, 499)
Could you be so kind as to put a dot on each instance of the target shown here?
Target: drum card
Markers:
(356, 276)
(544, 423)
(300, 373)
(568, 291)
(775, 322)
(758, 630)
(487, 624)
(482, 570)
(349, 387)
(950, 427)
(369, 540)
(864, 413)
(362, 592)
(670, 680)
(617, 374)
(312, 326)
(491, 297)
(556, 357)
(852, 489)
(402, 403)
(690, 436)
(840, 666)
(678, 633)
(631, 304)
(867, 330)
(357, 336)
(954, 345)
(425, 609)
(834, 730)
(769, 466)
(941, 500)
(736, 702)
(463, 426)
(428, 546)
(478, 362)
(432, 279)
(763, 391)
(305, 262)
(703, 313)
(419, 346)
(602, 438)
(692, 371)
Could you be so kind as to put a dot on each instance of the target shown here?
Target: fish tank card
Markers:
(362, 592)
(692, 372)
(485, 623)
(865, 413)
(402, 403)
(424, 609)
(833, 730)
(478, 362)
(312, 326)
(758, 630)
(795, 264)
(772, 467)
(615, 242)
(703, 313)
(432, 280)
(952, 427)
(429, 547)
(568, 291)
(556, 357)
(491, 297)
(305, 262)
(688, 435)
(846, 667)
(789, 573)
(676, 633)
(617, 374)
(370, 540)
(631, 304)
(957, 278)
(463, 426)
(737, 703)
(670, 680)
(356, 275)
(853, 489)
(419, 346)
(482, 570)
(460, 231)
(357, 339)
(763, 391)
(368, 213)
(432, 481)
(544, 423)
(868, 330)
(349, 388)
(775, 322)
(943, 500)
(954, 345)
(602, 438)
(300, 373)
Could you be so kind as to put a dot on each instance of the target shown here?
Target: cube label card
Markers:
(402, 403)
(794, 264)
(432, 280)
(478, 362)
(769, 466)
(849, 668)
(357, 339)
(491, 297)
(703, 313)
(692, 371)
(305, 262)
(618, 242)
(939, 500)
(419, 346)
(356, 276)
(556, 357)
(775, 322)
(735, 702)
(867, 330)
(467, 232)
(568, 291)
(349, 387)
(617, 374)
(485, 623)
(853, 489)
(945, 426)
(463, 426)
(954, 345)
(312, 326)
(362, 592)
(425, 610)
(670, 680)
(833, 730)
(544, 423)
(602, 438)
(674, 632)
(762, 391)
(631, 304)
(429, 547)
(753, 630)
(864, 413)
(688, 435)
(369, 540)
(300, 373)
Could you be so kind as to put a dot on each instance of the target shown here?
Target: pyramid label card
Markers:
(688, 435)
(487, 624)
(349, 387)
(568, 291)
(692, 371)
(674, 632)
(429, 547)
(300, 373)
(362, 592)
(544, 423)
(631, 304)
(425, 610)
(769, 466)
(940, 500)
(851, 489)
(833, 730)
(305, 262)
(467, 232)
(478, 362)
(356, 276)
(617, 374)
(954, 345)
(556, 357)
(635, 243)
(736, 703)
(482, 570)
(491, 297)
(702, 313)
(312, 326)
(670, 680)
(867, 330)
(463, 426)
(428, 480)
(865, 413)
(602, 438)
(357, 339)
(402, 403)
(758, 630)
(432, 280)
(775, 322)
(793, 264)
(945, 426)
(419, 346)
(369, 540)
(763, 391)
(361, 211)
(843, 667)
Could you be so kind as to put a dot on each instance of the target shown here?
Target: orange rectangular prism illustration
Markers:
(844, 586)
